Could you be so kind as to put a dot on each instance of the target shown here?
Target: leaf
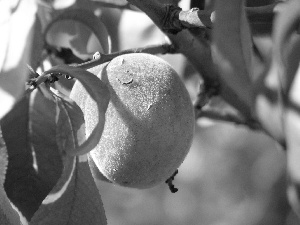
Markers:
(260, 16)
(15, 43)
(286, 71)
(23, 185)
(273, 87)
(286, 22)
(74, 200)
(79, 93)
(99, 93)
(42, 134)
(76, 186)
(30, 130)
(86, 18)
(292, 131)
(35, 163)
(81, 96)
(232, 47)
(95, 171)
(8, 216)
(70, 125)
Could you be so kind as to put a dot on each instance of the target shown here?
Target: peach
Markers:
(149, 121)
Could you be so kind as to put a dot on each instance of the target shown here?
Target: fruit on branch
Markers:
(149, 121)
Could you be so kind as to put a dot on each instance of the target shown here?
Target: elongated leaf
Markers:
(42, 133)
(74, 200)
(22, 184)
(15, 43)
(69, 125)
(95, 171)
(98, 92)
(8, 216)
(292, 131)
(261, 16)
(76, 186)
(81, 96)
(286, 71)
(35, 163)
(86, 18)
(286, 22)
(232, 46)
(273, 97)
(273, 85)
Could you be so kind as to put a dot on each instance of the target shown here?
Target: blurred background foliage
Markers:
(231, 176)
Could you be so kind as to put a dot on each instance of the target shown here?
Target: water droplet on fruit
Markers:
(126, 78)
(124, 81)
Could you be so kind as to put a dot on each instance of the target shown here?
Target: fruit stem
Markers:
(169, 181)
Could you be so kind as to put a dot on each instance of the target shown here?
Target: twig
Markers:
(100, 59)
(196, 18)
(44, 78)
(216, 114)
(32, 73)
(225, 116)
(205, 94)
(126, 5)
(153, 49)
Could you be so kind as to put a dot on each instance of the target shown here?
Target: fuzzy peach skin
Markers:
(149, 121)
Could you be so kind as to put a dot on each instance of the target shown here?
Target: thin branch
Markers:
(100, 59)
(126, 5)
(152, 49)
(204, 95)
(226, 116)
(172, 19)
(230, 117)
